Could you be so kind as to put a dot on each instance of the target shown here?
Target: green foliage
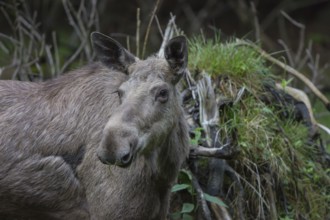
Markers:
(179, 187)
(285, 83)
(215, 200)
(184, 184)
(188, 208)
(276, 157)
(197, 136)
(227, 59)
(277, 146)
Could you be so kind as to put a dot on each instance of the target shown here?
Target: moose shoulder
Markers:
(103, 142)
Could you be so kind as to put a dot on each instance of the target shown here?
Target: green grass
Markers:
(275, 154)
(227, 59)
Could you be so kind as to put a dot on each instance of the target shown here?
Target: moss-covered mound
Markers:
(278, 173)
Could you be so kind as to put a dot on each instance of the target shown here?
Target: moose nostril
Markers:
(126, 158)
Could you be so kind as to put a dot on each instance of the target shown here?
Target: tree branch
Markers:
(201, 199)
(290, 70)
(225, 152)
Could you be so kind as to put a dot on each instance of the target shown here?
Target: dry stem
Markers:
(290, 70)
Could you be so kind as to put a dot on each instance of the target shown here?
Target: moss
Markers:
(227, 59)
(275, 152)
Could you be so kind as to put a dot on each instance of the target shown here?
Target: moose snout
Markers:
(122, 158)
(117, 149)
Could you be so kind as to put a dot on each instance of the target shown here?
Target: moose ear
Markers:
(176, 54)
(111, 53)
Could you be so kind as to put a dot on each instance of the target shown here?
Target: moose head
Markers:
(149, 106)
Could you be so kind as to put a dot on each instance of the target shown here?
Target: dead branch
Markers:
(138, 24)
(301, 35)
(167, 35)
(209, 114)
(149, 27)
(301, 97)
(81, 23)
(159, 27)
(240, 197)
(225, 152)
(201, 199)
(290, 70)
(256, 22)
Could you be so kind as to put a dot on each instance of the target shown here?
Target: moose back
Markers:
(102, 142)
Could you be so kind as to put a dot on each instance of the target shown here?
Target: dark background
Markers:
(232, 18)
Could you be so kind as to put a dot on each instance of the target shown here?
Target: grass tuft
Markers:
(278, 165)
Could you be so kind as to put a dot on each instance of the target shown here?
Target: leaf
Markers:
(215, 200)
(187, 172)
(285, 83)
(187, 207)
(187, 217)
(198, 134)
(179, 187)
(267, 110)
(175, 215)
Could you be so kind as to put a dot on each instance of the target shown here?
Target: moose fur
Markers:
(61, 140)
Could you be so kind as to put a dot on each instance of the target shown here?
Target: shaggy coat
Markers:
(55, 134)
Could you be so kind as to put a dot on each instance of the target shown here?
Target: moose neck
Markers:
(69, 106)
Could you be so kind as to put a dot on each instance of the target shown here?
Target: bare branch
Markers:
(301, 36)
(227, 152)
(287, 51)
(256, 22)
(290, 70)
(201, 199)
(138, 24)
(56, 53)
(149, 27)
(73, 57)
(159, 27)
(167, 36)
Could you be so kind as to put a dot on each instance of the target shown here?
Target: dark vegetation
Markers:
(263, 155)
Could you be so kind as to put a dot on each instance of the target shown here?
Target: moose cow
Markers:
(103, 142)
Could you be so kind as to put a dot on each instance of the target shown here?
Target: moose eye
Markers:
(162, 95)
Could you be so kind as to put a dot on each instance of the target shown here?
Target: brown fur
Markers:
(51, 133)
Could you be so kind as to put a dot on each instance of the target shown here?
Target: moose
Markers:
(105, 141)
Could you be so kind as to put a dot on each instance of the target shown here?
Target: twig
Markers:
(73, 57)
(301, 36)
(148, 28)
(68, 10)
(56, 53)
(253, 188)
(271, 197)
(50, 60)
(305, 58)
(201, 199)
(292, 71)
(138, 24)
(256, 22)
(240, 197)
(167, 36)
(128, 46)
(208, 111)
(159, 27)
(261, 212)
(225, 152)
(288, 52)
(324, 128)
